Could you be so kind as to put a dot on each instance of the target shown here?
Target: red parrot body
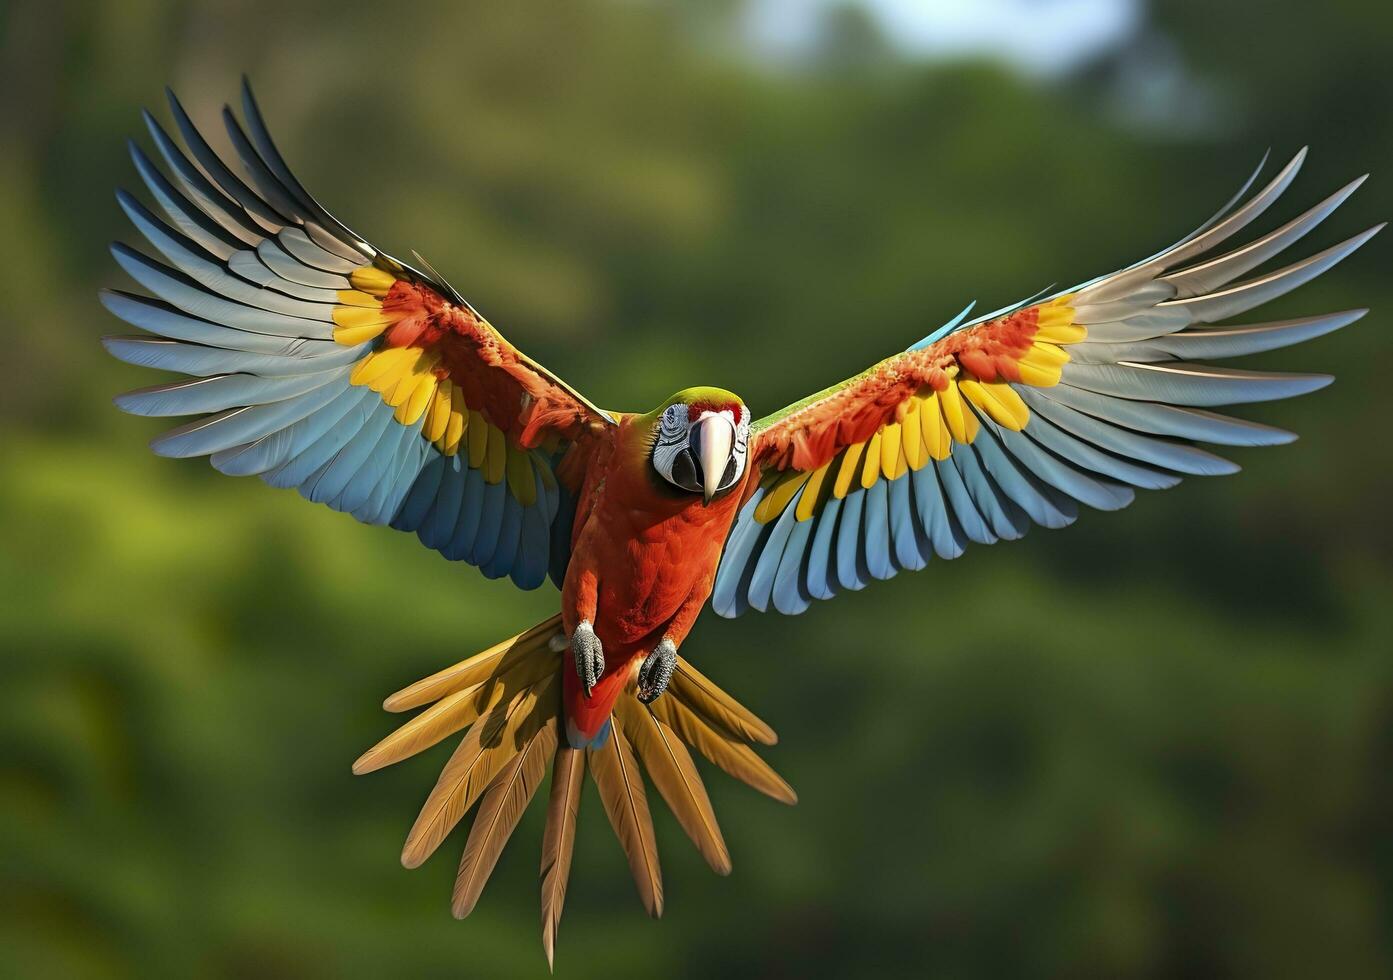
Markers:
(643, 561)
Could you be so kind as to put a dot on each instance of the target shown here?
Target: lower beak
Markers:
(712, 439)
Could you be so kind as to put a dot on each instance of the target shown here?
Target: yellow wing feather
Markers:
(915, 454)
(925, 426)
(849, 470)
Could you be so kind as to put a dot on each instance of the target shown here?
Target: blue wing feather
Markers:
(500, 563)
(439, 527)
(767, 568)
(490, 523)
(850, 559)
(910, 547)
(320, 450)
(875, 545)
(420, 497)
(820, 560)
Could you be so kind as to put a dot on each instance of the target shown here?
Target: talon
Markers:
(656, 671)
(590, 656)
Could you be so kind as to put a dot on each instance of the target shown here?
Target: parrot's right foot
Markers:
(656, 671)
(589, 654)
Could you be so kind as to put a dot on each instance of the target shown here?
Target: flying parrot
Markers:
(320, 363)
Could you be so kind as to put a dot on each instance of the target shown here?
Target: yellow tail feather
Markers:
(672, 770)
(480, 667)
(500, 809)
(508, 700)
(559, 840)
(615, 770)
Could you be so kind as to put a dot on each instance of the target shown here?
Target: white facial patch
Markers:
(673, 447)
(673, 430)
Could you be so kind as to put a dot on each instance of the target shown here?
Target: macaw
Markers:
(319, 362)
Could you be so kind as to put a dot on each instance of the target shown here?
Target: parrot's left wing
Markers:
(986, 427)
(324, 364)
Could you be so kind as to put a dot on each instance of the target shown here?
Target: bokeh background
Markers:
(1156, 744)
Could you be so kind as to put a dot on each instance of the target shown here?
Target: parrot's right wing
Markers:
(986, 427)
(324, 364)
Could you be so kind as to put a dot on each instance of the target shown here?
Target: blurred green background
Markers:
(1156, 744)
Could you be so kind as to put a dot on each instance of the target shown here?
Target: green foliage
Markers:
(1152, 745)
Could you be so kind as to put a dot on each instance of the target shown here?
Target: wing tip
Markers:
(1295, 164)
(120, 250)
(165, 445)
(1314, 381)
(129, 401)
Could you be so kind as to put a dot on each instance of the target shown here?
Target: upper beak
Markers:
(711, 441)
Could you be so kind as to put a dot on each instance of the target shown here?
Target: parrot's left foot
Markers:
(656, 671)
(590, 656)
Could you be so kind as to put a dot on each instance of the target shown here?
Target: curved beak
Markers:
(711, 442)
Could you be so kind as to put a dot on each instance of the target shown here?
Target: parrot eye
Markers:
(673, 425)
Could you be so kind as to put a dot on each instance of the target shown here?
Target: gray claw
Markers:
(656, 671)
(590, 656)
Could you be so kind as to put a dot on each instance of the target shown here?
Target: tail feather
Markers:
(454, 711)
(509, 699)
(694, 689)
(480, 667)
(616, 775)
(736, 758)
(482, 754)
(500, 809)
(673, 772)
(559, 840)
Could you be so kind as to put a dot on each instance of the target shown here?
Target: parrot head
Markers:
(701, 440)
